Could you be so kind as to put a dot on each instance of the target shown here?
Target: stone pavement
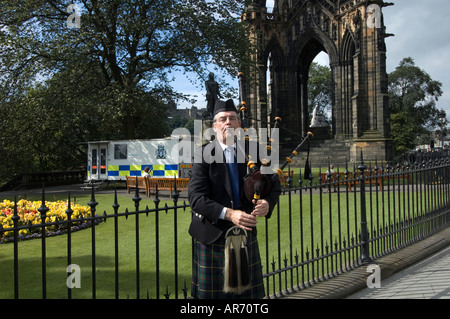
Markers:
(405, 274)
(428, 279)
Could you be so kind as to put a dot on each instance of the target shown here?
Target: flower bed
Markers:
(29, 216)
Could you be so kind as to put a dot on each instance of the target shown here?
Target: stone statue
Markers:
(212, 93)
(318, 119)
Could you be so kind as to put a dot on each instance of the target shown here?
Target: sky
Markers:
(422, 32)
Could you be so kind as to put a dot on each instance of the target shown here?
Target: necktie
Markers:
(234, 175)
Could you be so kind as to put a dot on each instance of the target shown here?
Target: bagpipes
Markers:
(256, 186)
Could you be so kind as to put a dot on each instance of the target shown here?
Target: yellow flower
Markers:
(28, 213)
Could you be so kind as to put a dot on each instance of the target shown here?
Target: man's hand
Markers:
(247, 221)
(241, 219)
(261, 208)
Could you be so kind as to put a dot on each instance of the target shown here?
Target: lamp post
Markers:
(442, 122)
(365, 254)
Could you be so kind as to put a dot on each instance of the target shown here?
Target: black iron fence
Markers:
(321, 227)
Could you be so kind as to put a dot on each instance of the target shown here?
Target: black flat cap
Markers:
(224, 106)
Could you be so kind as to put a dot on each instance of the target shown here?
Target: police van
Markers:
(114, 160)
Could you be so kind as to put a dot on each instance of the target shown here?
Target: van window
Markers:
(103, 161)
(94, 161)
(120, 151)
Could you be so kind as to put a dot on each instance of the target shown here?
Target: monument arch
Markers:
(288, 39)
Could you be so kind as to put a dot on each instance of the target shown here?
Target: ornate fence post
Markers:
(43, 211)
(16, 219)
(365, 256)
(93, 204)
(137, 200)
(69, 212)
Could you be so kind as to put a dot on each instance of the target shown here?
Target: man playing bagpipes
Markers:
(226, 261)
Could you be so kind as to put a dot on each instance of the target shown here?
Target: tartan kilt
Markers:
(208, 271)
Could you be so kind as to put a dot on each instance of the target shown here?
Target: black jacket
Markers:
(210, 191)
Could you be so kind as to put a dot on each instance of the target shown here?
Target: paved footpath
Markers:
(428, 279)
(421, 270)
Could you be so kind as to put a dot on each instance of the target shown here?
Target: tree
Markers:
(135, 43)
(413, 96)
(319, 88)
(109, 76)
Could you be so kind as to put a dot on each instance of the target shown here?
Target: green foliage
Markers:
(182, 122)
(108, 79)
(403, 134)
(319, 88)
(412, 95)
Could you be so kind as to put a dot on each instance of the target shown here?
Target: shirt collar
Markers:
(224, 146)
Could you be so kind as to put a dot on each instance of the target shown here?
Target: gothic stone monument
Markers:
(352, 33)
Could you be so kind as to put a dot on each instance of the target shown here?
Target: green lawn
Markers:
(56, 247)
